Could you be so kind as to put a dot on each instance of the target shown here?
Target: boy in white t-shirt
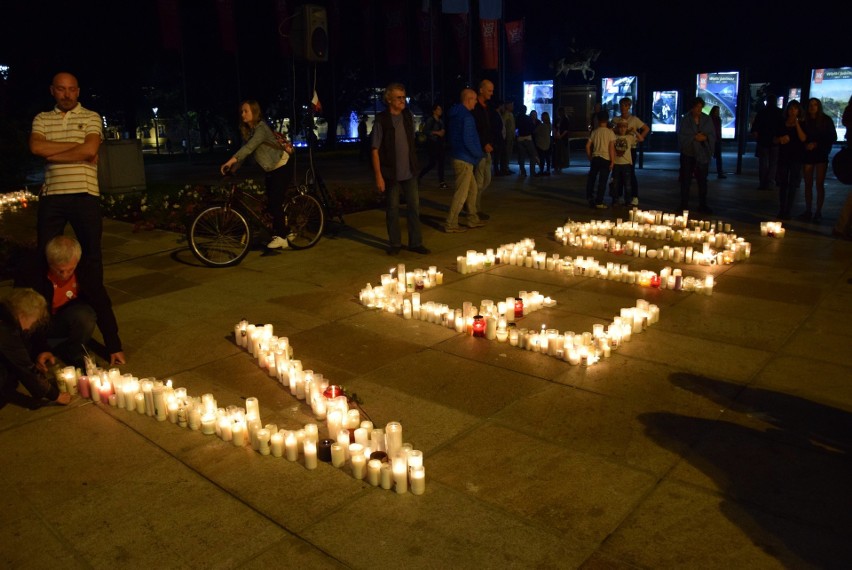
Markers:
(623, 162)
(600, 149)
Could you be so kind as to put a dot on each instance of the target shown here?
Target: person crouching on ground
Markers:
(77, 301)
(21, 312)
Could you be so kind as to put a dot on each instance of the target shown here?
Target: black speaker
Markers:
(309, 34)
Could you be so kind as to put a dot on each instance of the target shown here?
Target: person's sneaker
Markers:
(473, 225)
(483, 216)
(454, 229)
(634, 202)
(394, 250)
(444, 185)
(278, 243)
(420, 249)
(601, 206)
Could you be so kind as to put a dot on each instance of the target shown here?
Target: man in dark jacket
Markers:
(77, 301)
(395, 168)
(482, 115)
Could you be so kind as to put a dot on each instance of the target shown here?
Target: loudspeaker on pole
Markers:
(309, 34)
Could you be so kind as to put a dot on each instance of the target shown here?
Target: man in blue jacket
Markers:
(465, 153)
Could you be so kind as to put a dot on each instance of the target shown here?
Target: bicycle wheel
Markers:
(219, 236)
(305, 220)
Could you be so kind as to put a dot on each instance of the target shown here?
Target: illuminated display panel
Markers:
(615, 88)
(833, 87)
(664, 112)
(538, 96)
(720, 89)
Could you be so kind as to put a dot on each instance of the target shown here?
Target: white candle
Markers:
(374, 472)
(239, 434)
(338, 455)
(386, 476)
(310, 448)
(393, 431)
(140, 402)
(400, 474)
(359, 461)
(291, 446)
(208, 423)
(418, 479)
(276, 444)
(263, 437)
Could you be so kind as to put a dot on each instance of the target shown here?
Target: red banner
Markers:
(227, 27)
(283, 20)
(395, 36)
(488, 35)
(515, 45)
(169, 13)
(458, 24)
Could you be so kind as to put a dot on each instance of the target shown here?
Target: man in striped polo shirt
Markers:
(68, 138)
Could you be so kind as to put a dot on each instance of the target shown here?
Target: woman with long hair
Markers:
(273, 158)
(791, 150)
(821, 134)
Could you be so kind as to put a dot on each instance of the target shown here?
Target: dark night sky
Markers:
(114, 47)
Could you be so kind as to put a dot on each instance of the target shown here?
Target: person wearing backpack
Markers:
(273, 156)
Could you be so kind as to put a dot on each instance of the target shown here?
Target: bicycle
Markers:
(221, 233)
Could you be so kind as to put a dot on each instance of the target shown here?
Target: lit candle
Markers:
(310, 449)
(374, 472)
(263, 436)
(386, 476)
(208, 423)
(338, 454)
(418, 479)
(400, 474)
(291, 446)
(359, 461)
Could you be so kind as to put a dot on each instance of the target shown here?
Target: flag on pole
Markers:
(315, 103)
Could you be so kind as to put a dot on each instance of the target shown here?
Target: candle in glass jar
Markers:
(338, 454)
(291, 446)
(400, 474)
(418, 479)
(374, 472)
(310, 450)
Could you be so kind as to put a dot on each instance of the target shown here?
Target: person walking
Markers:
(482, 115)
(465, 152)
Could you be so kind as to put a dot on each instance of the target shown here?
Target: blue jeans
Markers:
(412, 206)
(599, 169)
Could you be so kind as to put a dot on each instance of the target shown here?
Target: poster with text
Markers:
(833, 87)
(664, 112)
(720, 89)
